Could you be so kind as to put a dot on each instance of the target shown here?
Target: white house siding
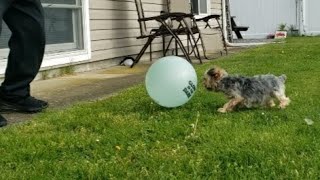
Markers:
(212, 38)
(263, 16)
(216, 7)
(312, 14)
(114, 27)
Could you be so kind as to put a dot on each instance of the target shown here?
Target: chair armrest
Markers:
(207, 18)
(182, 15)
(165, 16)
(240, 28)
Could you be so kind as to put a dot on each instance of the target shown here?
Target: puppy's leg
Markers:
(283, 99)
(271, 103)
(230, 105)
(284, 102)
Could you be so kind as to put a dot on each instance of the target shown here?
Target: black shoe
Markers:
(26, 105)
(3, 121)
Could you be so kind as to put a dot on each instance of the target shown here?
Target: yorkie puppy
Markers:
(260, 90)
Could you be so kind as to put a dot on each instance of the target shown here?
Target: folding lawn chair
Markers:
(183, 6)
(164, 30)
(186, 7)
(218, 27)
(237, 29)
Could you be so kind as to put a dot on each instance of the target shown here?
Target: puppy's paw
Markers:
(284, 103)
(222, 110)
(271, 104)
(282, 106)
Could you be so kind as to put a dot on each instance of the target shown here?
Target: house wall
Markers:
(212, 38)
(311, 24)
(216, 6)
(114, 27)
(264, 16)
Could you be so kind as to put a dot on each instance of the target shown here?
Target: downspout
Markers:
(224, 19)
(303, 16)
(298, 24)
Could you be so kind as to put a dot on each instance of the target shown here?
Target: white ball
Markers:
(171, 81)
(128, 62)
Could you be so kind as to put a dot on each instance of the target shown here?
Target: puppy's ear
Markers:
(211, 72)
(216, 73)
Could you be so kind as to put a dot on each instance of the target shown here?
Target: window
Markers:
(63, 25)
(200, 7)
(64, 28)
(4, 38)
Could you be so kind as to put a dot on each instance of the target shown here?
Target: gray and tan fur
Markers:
(260, 90)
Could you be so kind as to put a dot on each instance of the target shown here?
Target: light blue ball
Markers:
(171, 81)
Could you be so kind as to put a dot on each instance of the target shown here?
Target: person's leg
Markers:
(25, 19)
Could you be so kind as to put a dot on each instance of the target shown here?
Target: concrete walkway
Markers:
(70, 89)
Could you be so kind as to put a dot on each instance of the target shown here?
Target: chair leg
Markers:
(203, 47)
(168, 46)
(178, 41)
(164, 45)
(144, 48)
(223, 37)
(150, 52)
(197, 53)
(176, 47)
(188, 43)
(238, 33)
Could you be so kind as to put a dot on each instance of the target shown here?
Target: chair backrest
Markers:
(142, 24)
(179, 6)
(182, 6)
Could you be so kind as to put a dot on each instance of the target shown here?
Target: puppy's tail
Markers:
(283, 78)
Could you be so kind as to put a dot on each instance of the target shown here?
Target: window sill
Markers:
(61, 59)
(56, 60)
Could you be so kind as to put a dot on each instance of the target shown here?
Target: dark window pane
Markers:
(62, 25)
(195, 6)
(59, 26)
(4, 38)
(203, 6)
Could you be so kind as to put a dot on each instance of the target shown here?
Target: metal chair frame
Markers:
(195, 29)
(163, 31)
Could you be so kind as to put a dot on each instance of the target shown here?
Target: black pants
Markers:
(25, 19)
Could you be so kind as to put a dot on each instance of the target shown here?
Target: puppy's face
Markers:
(212, 77)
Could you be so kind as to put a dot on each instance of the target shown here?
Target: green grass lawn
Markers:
(129, 136)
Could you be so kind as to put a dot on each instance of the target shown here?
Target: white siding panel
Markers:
(118, 43)
(114, 34)
(312, 25)
(263, 16)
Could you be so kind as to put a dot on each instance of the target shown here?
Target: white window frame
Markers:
(60, 59)
(208, 9)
